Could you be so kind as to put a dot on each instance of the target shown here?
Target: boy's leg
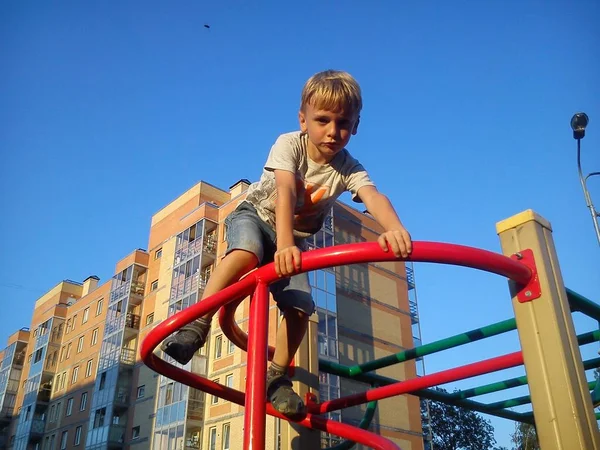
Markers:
(244, 252)
(294, 299)
(289, 336)
(182, 345)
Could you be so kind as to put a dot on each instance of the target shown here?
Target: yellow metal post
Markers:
(306, 379)
(561, 401)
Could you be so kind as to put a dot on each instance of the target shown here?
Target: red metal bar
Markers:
(255, 416)
(314, 260)
(310, 421)
(339, 255)
(426, 381)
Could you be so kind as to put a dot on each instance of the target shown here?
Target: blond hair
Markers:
(332, 90)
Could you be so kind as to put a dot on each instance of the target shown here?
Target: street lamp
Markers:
(578, 123)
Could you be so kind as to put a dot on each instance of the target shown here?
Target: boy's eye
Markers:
(322, 120)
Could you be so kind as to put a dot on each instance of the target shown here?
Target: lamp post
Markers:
(579, 122)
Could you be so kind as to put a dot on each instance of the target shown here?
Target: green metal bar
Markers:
(474, 406)
(584, 305)
(589, 337)
(518, 381)
(437, 346)
(364, 424)
(523, 400)
(489, 388)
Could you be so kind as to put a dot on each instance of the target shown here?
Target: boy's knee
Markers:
(244, 258)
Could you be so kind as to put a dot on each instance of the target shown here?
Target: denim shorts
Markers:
(245, 230)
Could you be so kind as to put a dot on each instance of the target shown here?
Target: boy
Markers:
(304, 174)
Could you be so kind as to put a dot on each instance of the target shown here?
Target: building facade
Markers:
(74, 378)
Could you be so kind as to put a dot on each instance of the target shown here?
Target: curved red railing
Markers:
(257, 282)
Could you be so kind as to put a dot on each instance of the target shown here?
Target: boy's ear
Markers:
(355, 129)
(302, 120)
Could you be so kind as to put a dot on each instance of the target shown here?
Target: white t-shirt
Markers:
(317, 186)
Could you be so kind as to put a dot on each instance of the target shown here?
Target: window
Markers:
(225, 437)
(99, 307)
(63, 440)
(75, 374)
(212, 438)
(218, 345)
(229, 380)
(38, 355)
(68, 325)
(88, 368)
(214, 399)
(135, 432)
(77, 439)
(86, 315)
(80, 344)
(83, 402)
(230, 348)
(141, 391)
(149, 318)
(158, 253)
(154, 285)
(99, 417)
(68, 350)
(56, 385)
(74, 322)
(53, 413)
(102, 381)
(62, 354)
(69, 410)
(95, 336)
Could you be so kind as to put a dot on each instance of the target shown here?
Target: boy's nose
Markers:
(332, 131)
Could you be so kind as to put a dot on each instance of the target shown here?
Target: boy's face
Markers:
(328, 131)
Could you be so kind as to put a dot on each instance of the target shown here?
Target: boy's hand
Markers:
(287, 261)
(398, 241)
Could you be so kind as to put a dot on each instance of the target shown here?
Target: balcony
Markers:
(44, 395)
(210, 245)
(410, 278)
(137, 292)
(121, 400)
(116, 436)
(127, 357)
(414, 314)
(132, 321)
(6, 414)
(132, 326)
(195, 410)
(199, 365)
(42, 340)
(37, 427)
(19, 359)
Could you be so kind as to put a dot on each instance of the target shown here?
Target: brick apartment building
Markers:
(74, 379)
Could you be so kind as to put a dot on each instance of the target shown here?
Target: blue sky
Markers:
(109, 112)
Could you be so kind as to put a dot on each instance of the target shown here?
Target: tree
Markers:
(525, 437)
(456, 428)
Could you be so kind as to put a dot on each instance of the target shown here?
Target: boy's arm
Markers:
(395, 236)
(287, 257)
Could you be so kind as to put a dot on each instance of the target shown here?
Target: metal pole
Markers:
(588, 199)
(579, 122)
(255, 414)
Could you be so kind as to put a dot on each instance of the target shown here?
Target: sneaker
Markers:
(182, 345)
(283, 398)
